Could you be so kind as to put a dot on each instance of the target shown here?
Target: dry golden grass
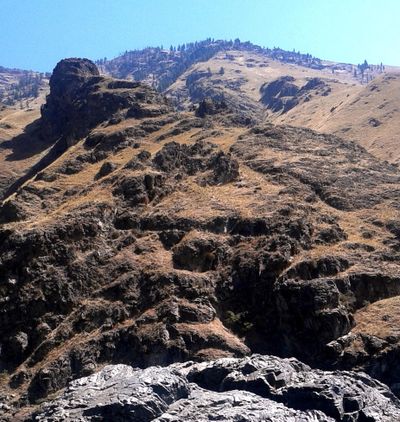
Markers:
(205, 202)
(210, 330)
(355, 107)
(13, 123)
(86, 177)
(197, 201)
(380, 319)
(257, 70)
(152, 255)
(347, 110)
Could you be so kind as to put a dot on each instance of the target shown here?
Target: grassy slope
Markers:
(347, 111)
(16, 152)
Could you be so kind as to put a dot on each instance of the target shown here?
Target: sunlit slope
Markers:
(246, 72)
(366, 113)
(371, 117)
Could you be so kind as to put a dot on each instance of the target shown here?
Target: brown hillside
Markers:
(337, 102)
(371, 117)
(18, 150)
(146, 236)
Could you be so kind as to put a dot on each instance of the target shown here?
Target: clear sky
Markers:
(35, 34)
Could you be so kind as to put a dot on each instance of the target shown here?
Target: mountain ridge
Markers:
(154, 236)
(247, 67)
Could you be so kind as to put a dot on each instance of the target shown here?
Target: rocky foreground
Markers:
(257, 388)
(144, 237)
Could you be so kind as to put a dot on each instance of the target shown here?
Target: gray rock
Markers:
(234, 406)
(118, 393)
(256, 388)
(340, 395)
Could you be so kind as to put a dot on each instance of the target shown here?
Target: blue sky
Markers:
(35, 34)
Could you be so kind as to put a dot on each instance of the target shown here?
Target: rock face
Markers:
(118, 393)
(282, 94)
(208, 106)
(212, 94)
(257, 388)
(61, 108)
(277, 95)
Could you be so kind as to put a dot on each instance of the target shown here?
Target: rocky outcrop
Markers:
(201, 157)
(213, 93)
(258, 388)
(282, 94)
(119, 393)
(278, 95)
(209, 107)
(80, 99)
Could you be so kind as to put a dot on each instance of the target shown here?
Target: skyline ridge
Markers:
(36, 35)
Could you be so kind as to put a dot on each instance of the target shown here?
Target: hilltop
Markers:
(357, 102)
(160, 68)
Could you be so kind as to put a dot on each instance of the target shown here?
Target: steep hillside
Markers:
(24, 92)
(235, 73)
(19, 150)
(328, 99)
(148, 236)
(367, 114)
(238, 78)
(371, 117)
(325, 96)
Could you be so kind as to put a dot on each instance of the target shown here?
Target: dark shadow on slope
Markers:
(55, 152)
(27, 144)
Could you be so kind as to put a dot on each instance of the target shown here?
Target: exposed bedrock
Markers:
(257, 388)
